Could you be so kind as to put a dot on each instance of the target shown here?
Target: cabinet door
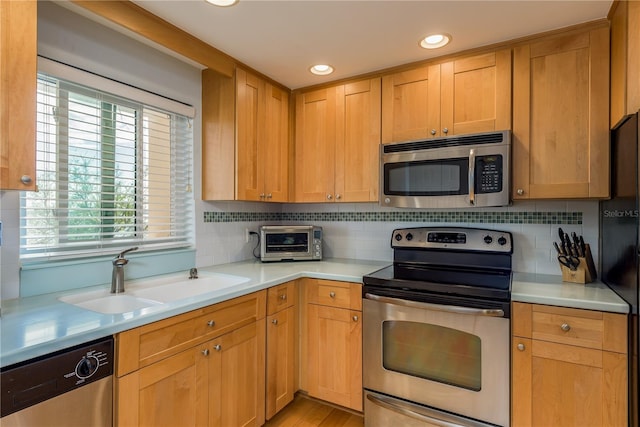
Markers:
(411, 104)
(315, 145)
(561, 117)
(249, 94)
(476, 94)
(358, 143)
(281, 362)
(18, 48)
(172, 392)
(334, 371)
(558, 384)
(236, 377)
(274, 145)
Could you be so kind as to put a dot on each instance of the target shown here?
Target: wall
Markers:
(360, 231)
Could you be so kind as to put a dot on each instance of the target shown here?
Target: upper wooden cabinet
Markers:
(337, 142)
(18, 50)
(466, 95)
(625, 59)
(561, 116)
(245, 138)
(262, 140)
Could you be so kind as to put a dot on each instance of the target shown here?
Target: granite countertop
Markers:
(39, 325)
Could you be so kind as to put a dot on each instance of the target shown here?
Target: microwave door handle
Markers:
(472, 176)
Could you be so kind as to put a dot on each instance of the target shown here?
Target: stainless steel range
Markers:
(436, 330)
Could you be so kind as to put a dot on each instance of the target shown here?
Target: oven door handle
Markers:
(423, 414)
(492, 312)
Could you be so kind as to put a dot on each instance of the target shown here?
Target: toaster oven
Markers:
(290, 243)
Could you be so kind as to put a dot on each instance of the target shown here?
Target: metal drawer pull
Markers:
(274, 321)
(283, 297)
(493, 312)
(355, 318)
(332, 294)
(565, 327)
(423, 414)
(211, 323)
(217, 347)
(521, 347)
(205, 351)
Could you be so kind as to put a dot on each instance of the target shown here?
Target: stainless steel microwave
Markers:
(453, 172)
(290, 243)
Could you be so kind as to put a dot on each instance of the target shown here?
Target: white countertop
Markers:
(39, 325)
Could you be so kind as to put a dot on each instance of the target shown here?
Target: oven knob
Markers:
(87, 366)
(398, 237)
(488, 239)
(409, 236)
(502, 241)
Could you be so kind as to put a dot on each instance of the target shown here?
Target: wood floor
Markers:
(311, 413)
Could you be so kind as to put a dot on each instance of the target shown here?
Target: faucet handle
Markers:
(121, 254)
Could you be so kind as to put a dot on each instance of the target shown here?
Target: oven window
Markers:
(287, 242)
(427, 178)
(432, 352)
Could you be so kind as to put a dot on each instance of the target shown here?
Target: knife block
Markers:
(586, 271)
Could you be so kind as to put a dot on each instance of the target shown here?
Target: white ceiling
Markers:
(283, 38)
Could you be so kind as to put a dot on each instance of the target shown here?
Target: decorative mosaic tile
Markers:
(570, 218)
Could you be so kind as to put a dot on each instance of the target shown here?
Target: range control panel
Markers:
(467, 239)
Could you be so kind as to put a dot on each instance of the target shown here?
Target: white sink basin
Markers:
(144, 293)
(186, 288)
(107, 303)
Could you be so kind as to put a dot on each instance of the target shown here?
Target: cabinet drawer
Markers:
(334, 294)
(584, 328)
(281, 297)
(147, 344)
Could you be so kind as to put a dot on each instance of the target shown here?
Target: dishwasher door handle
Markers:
(492, 312)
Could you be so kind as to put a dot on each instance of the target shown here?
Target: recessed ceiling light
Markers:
(435, 41)
(321, 69)
(223, 3)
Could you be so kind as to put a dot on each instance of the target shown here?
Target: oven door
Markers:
(447, 357)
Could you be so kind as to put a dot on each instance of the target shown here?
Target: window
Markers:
(111, 173)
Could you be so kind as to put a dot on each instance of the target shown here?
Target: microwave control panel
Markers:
(489, 173)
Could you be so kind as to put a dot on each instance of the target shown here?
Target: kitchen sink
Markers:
(105, 302)
(186, 288)
(144, 293)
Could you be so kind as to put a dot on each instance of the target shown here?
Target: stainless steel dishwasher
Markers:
(71, 388)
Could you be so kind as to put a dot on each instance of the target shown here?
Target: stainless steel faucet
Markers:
(117, 277)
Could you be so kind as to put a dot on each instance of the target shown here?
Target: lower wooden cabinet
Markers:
(334, 342)
(569, 367)
(202, 368)
(281, 347)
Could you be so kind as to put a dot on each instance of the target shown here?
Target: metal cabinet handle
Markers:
(521, 347)
(25, 179)
(262, 195)
(274, 321)
(211, 323)
(433, 131)
(520, 191)
(329, 197)
(283, 297)
(269, 196)
(205, 351)
(565, 327)
(217, 347)
(445, 130)
(338, 197)
(332, 294)
(355, 318)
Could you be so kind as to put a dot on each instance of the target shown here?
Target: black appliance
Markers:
(619, 238)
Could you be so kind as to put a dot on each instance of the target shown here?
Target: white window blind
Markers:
(111, 173)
